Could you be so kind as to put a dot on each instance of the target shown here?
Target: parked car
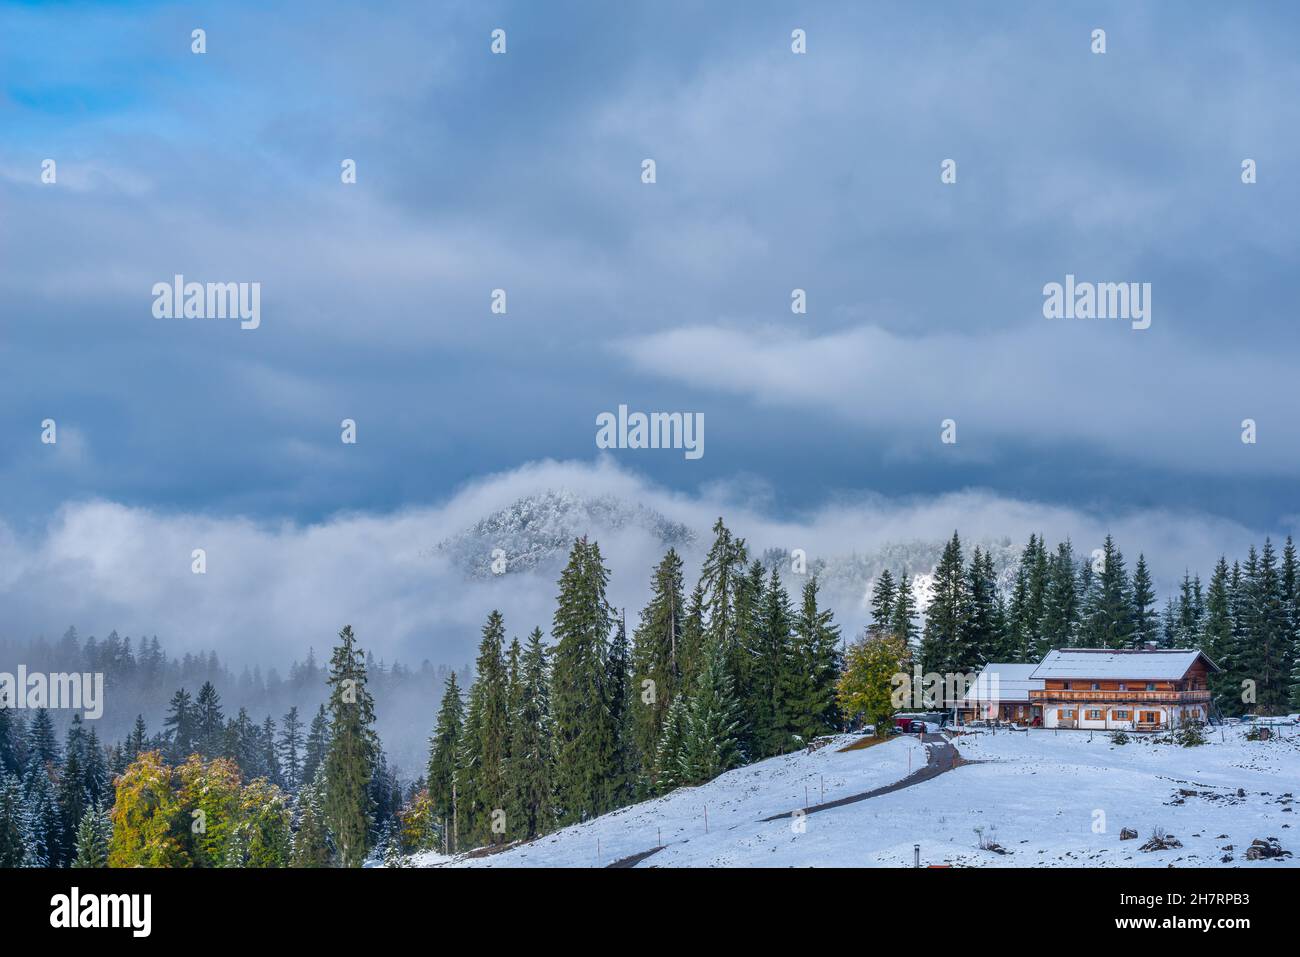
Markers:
(915, 726)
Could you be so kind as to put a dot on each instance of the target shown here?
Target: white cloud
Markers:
(271, 590)
(1094, 384)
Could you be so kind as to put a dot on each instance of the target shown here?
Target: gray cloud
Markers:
(1055, 384)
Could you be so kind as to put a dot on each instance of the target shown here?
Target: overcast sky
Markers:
(775, 171)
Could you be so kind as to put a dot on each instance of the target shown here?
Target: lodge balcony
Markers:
(1119, 697)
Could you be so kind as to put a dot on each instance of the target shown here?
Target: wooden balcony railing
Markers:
(1121, 697)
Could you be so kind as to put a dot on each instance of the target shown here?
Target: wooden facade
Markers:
(1001, 693)
(1146, 698)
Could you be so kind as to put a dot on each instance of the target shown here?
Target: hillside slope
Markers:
(1046, 799)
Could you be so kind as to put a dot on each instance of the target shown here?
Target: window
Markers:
(1121, 715)
(1094, 714)
(1096, 686)
(1065, 685)
(1123, 686)
(1151, 686)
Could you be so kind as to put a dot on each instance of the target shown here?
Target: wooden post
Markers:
(706, 819)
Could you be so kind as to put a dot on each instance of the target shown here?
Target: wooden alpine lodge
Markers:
(1102, 689)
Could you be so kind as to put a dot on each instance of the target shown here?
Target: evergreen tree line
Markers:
(140, 675)
(207, 790)
(1247, 619)
(550, 735)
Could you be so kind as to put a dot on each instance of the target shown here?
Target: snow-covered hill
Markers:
(535, 532)
(1046, 799)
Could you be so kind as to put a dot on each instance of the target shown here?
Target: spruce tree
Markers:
(710, 743)
(1061, 603)
(1218, 642)
(656, 664)
(10, 751)
(815, 709)
(619, 781)
(1086, 590)
(742, 651)
(585, 734)
(530, 744)
(244, 744)
(1039, 580)
(138, 740)
(444, 745)
(44, 824)
(93, 834)
(290, 750)
(13, 821)
(1145, 622)
(1028, 606)
(1190, 609)
(43, 745)
(72, 792)
(981, 635)
(209, 722)
(95, 776)
(350, 758)
(1018, 642)
(1109, 618)
(720, 580)
(268, 760)
(944, 647)
(483, 792)
(1291, 601)
(1267, 649)
(178, 729)
(882, 603)
(692, 650)
(318, 741)
(670, 751)
(772, 675)
(903, 622)
(385, 795)
(1169, 625)
(311, 846)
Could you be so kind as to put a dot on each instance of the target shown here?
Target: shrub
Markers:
(1190, 735)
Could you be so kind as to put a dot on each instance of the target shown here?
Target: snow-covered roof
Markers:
(1157, 664)
(1002, 682)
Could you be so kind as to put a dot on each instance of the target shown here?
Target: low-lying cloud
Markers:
(273, 589)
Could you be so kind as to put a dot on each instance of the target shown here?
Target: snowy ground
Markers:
(1048, 799)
